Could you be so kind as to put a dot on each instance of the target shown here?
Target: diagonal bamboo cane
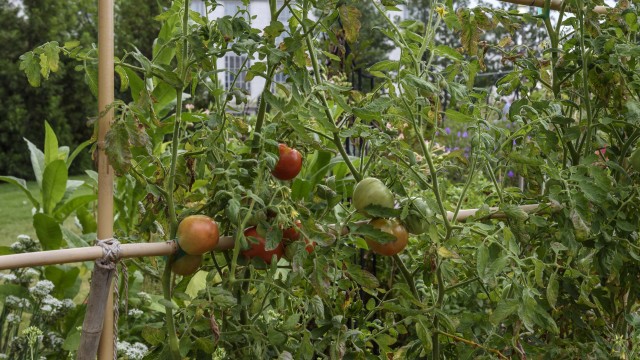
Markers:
(554, 5)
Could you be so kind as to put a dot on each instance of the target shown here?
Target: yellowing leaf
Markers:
(448, 254)
(350, 17)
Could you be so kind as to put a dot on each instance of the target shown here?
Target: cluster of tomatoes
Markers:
(198, 234)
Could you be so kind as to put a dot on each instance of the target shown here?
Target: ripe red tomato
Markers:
(185, 264)
(293, 234)
(198, 234)
(289, 163)
(394, 228)
(257, 249)
(371, 191)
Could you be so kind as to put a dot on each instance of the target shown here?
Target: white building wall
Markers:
(260, 18)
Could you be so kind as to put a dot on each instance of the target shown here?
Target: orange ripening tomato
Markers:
(198, 234)
(393, 227)
(185, 264)
(293, 234)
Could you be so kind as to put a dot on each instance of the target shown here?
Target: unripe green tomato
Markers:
(634, 159)
(371, 191)
(417, 220)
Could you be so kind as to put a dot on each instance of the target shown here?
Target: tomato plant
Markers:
(257, 246)
(371, 191)
(393, 227)
(197, 234)
(289, 163)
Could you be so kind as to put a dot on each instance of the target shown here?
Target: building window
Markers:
(199, 6)
(233, 65)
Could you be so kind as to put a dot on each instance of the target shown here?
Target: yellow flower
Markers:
(441, 11)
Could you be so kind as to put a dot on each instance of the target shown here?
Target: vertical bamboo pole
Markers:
(105, 172)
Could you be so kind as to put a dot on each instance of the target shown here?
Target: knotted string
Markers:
(110, 258)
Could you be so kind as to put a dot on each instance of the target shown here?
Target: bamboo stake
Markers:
(105, 172)
(554, 5)
(169, 247)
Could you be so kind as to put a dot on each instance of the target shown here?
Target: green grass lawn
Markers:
(15, 213)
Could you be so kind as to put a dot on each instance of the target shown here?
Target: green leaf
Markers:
(198, 282)
(22, 184)
(48, 231)
(66, 280)
(504, 310)
(482, 261)
(373, 110)
(457, 116)
(552, 290)
(13, 289)
(70, 205)
(370, 232)
(31, 67)
(385, 65)
(222, 298)
(362, 277)
(350, 18)
(124, 78)
(37, 161)
(421, 83)
(54, 185)
(424, 334)
(51, 52)
(449, 52)
(317, 306)
(168, 304)
(73, 239)
(152, 335)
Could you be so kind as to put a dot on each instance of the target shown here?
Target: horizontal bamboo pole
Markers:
(92, 253)
(554, 5)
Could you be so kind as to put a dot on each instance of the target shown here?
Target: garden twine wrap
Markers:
(111, 257)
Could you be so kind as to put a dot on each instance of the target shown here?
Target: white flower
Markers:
(144, 297)
(30, 272)
(51, 305)
(23, 237)
(55, 340)
(135, 312)
(17, 246)
(134, 351)
(13, 319)
(8, 277)
(17, 302)
(68, 304)
(41, 288)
